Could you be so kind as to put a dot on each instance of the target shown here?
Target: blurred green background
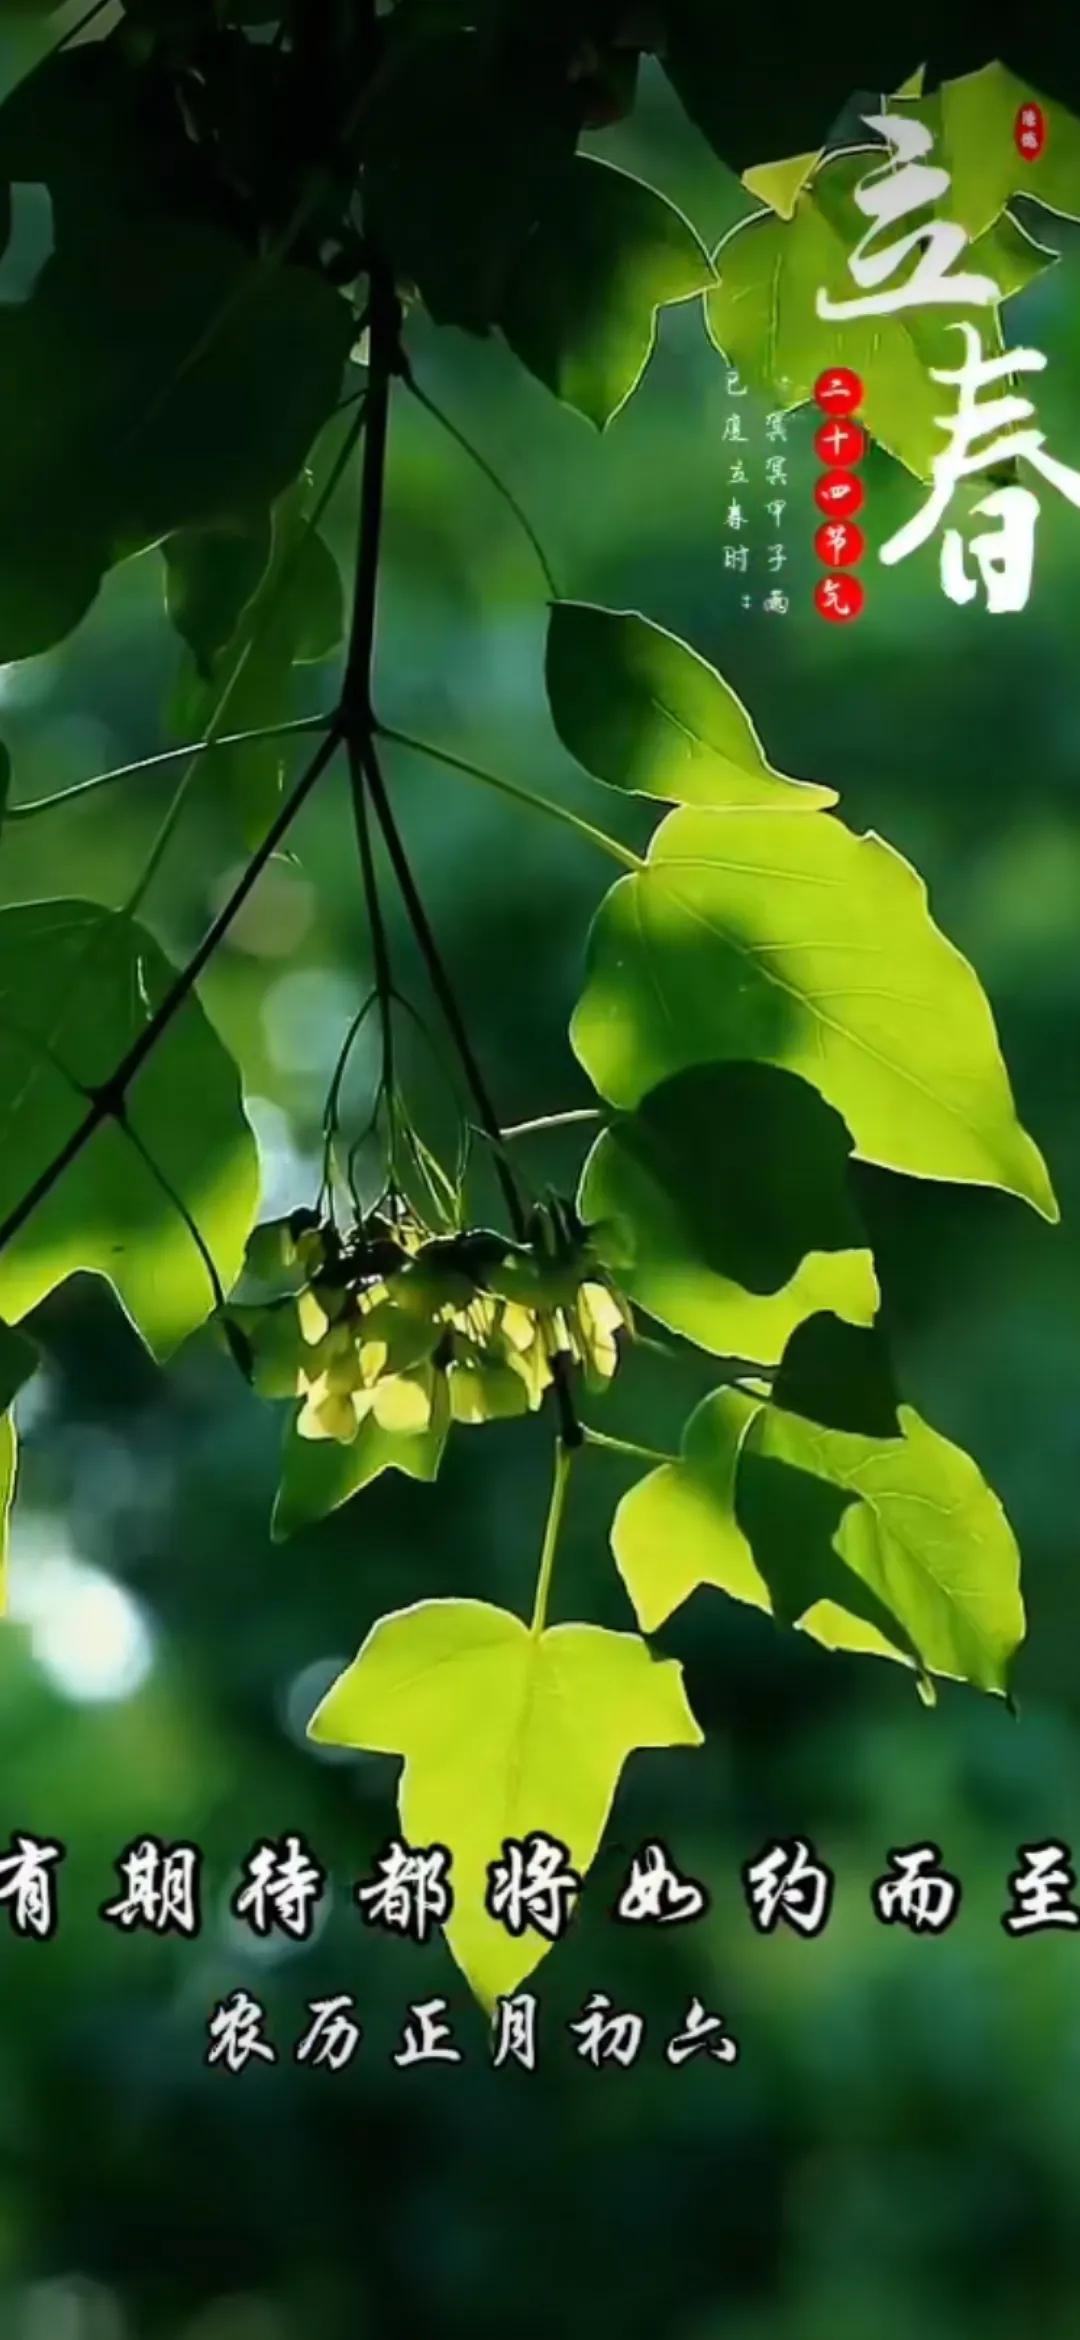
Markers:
(898, 2149)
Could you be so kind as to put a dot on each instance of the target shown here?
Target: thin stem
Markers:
(447, 998)
(491, 475)
(359, 660)
(180, 1207)
(358, 720)
(384, 982)
(440, 981)
(176, 755)
(107, 1100)
(262, 620)
(544, 804)
(625, 1446)
(520, 1129)
(333, 1094)
(560, 1482)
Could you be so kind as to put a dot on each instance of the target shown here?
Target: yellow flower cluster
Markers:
(413, 1330)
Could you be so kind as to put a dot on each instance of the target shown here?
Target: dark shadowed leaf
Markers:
(211, 574)
(603, 255)
(296, 617)
(468, 132)
(722, 1207)
(839, 1375)
(159, 376)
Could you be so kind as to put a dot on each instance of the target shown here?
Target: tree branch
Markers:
(544, 804)
(176, 755)
(107, 1101)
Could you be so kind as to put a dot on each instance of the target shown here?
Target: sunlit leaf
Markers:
(974, 121)
(780, 184)
(19, 1359)
(503, 1732)
(642, 711)
(763, 315)
(891, 1546)
(317, 1476)
(793, 942)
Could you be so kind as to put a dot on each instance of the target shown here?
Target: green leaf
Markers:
(893, 1546)
(9, 1466)
(159, 376)
(676, 1529)
(318, 1475)
(925, 1536)
(780, 184)
(295, 618)
(641, 711)
(160, 391)
(974, 123)
(839, 1376)
(750, 99)
(77, 986)
(90, 130)
(460, 148)
(793, 942)
(211, 575)
(762, 312)
(603, 255)
(722, 1207)
(19, 1359)
(503, 1731)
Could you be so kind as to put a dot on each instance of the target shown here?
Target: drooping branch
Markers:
(361, 728)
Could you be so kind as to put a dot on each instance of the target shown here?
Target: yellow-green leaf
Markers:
(974, 121)
(319, 1475)
(891, 1546)
(779, 940)
(503, 1732)
(780, 184)
(9, 1463)
(762, 311)
(642, 711)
